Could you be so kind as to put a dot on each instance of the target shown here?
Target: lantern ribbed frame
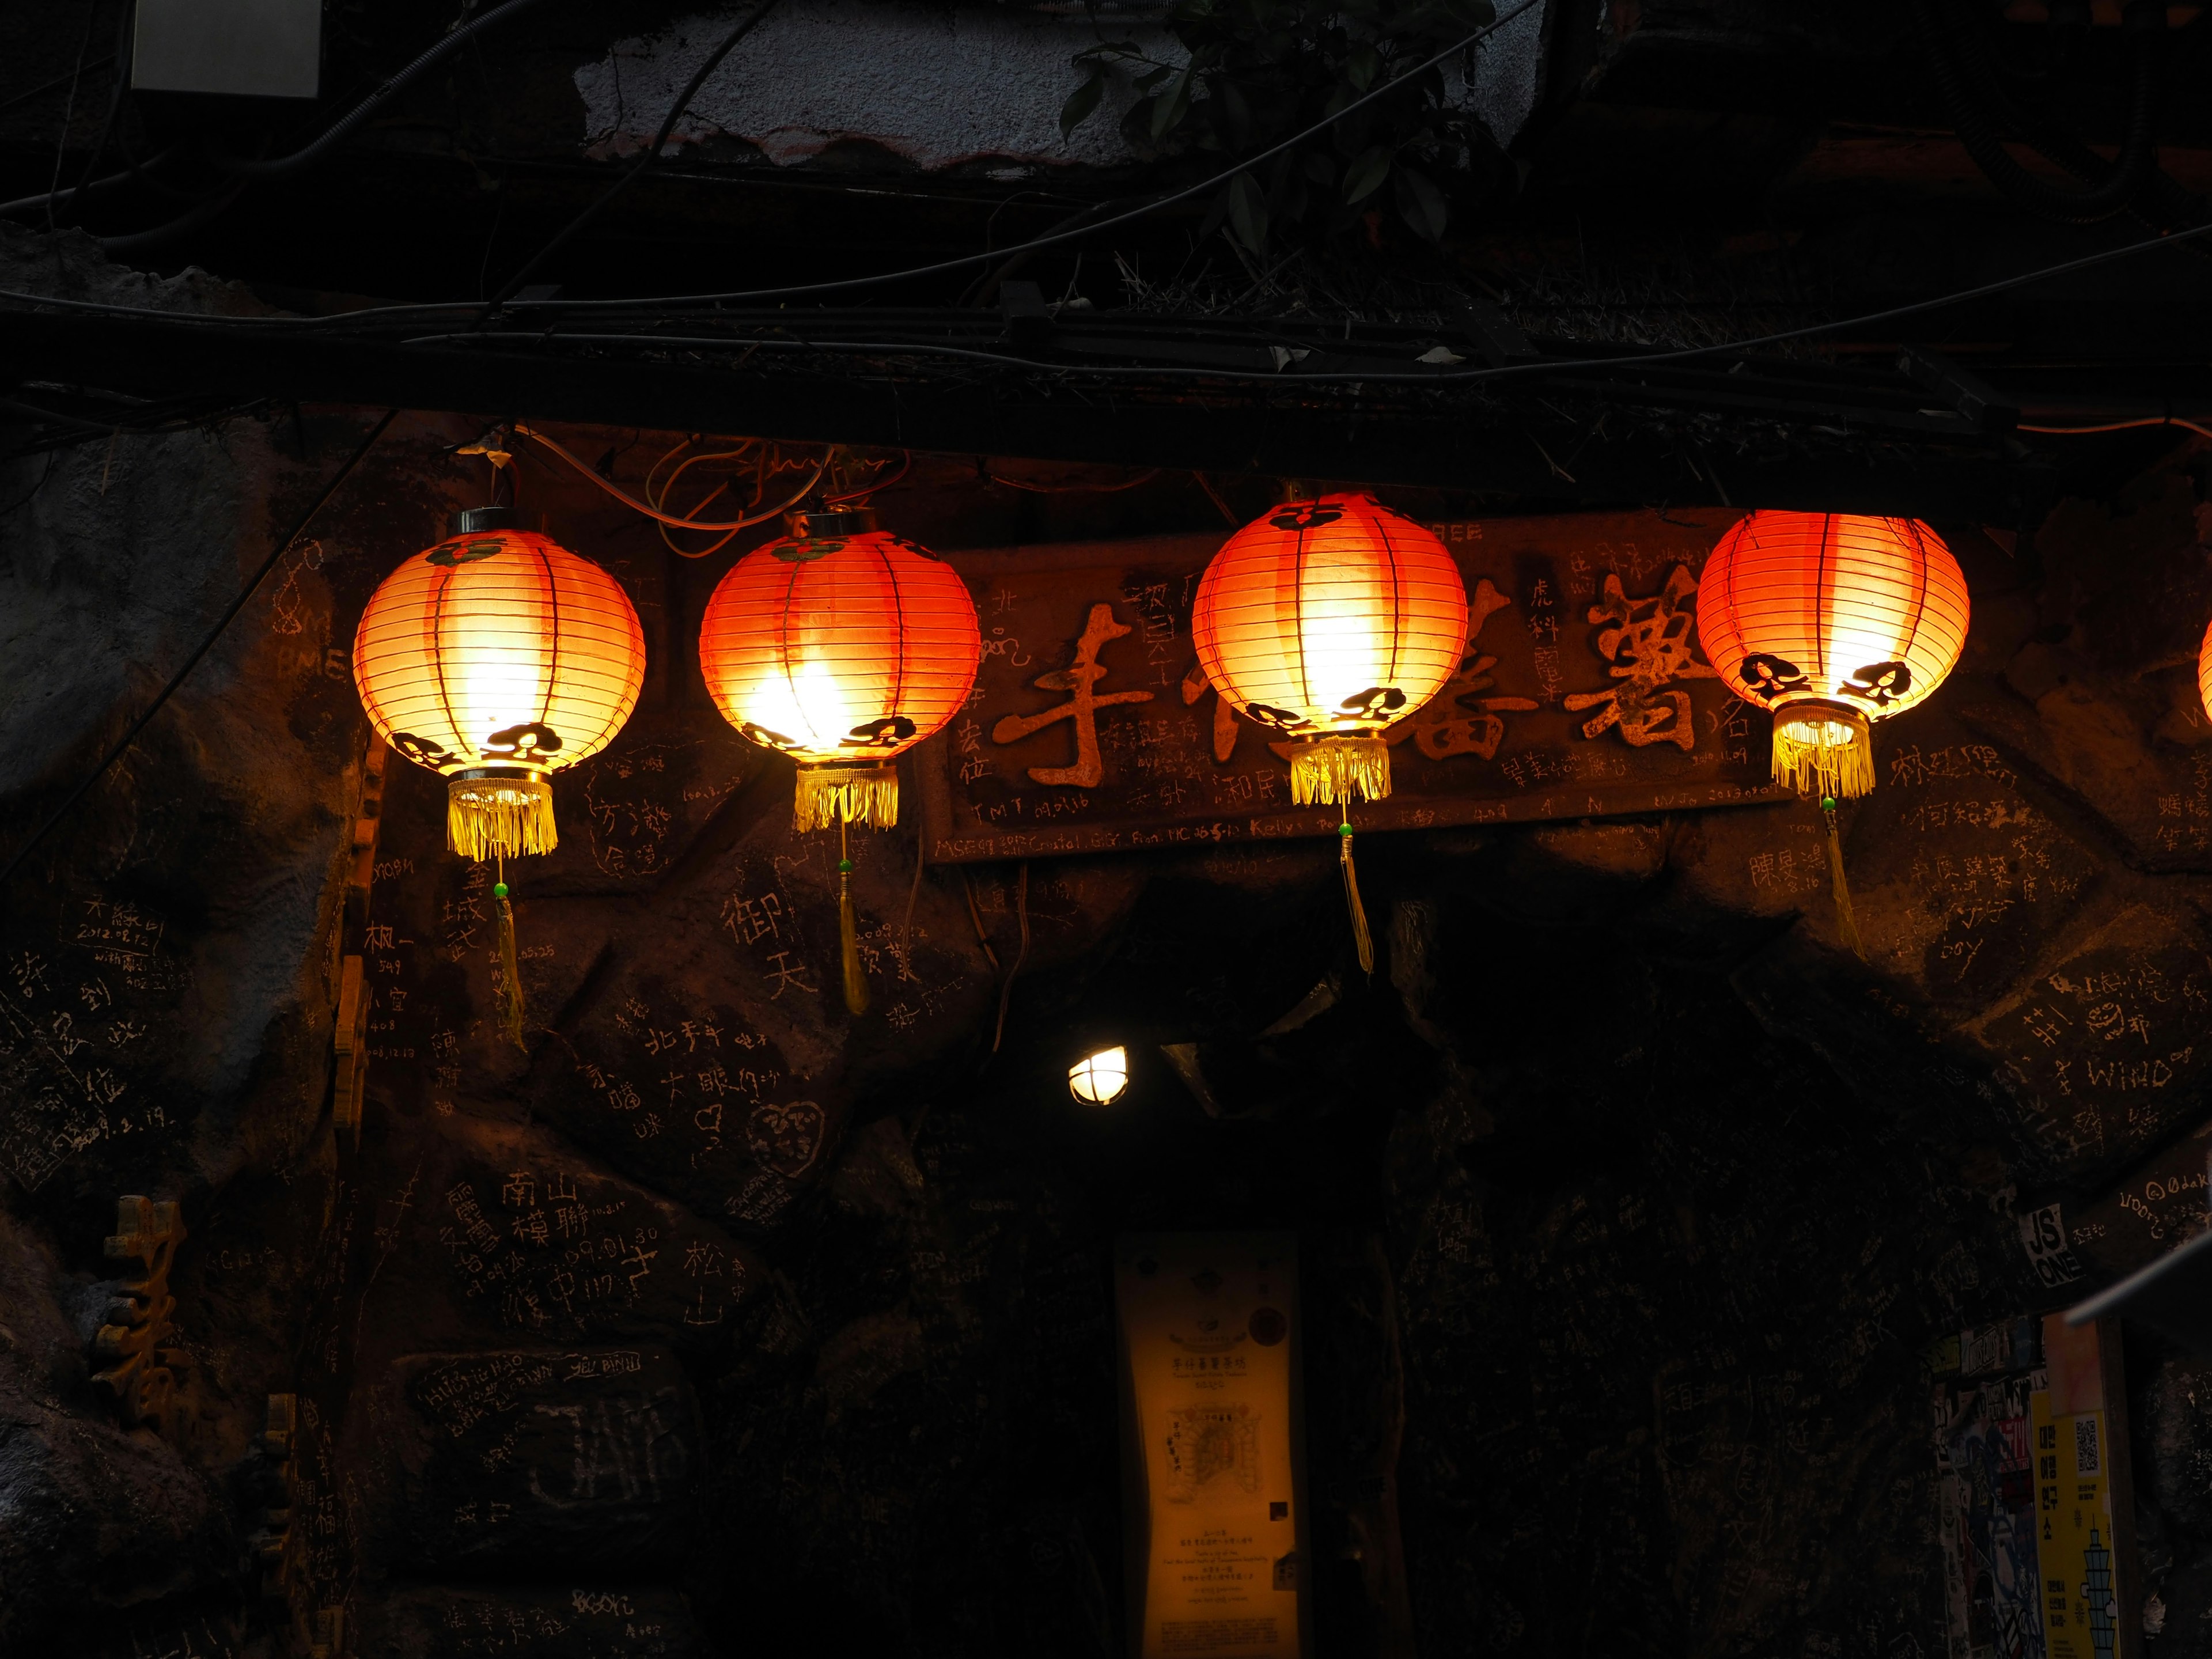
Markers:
(1831, 621)
(842, 652)
(1330, 620)
(496, 659)
(2205, 671)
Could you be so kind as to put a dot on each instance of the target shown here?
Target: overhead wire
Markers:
(631, 501)
(562, 237)
(2198, 428)
(1054, 239)
(1142, 477)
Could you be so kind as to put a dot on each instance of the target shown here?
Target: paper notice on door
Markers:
(1210, 1344)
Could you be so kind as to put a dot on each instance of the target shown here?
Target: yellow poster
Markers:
(2076, 1554)
(1210, 1379)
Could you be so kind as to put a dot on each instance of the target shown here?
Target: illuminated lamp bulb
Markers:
(1101, 1078)
(841, 646)
(496, 659)
(1330, 620)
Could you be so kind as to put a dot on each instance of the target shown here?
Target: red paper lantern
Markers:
(496, 659)
(1330, 620)
(842, 646)
(2205, 671)
(1831, 621)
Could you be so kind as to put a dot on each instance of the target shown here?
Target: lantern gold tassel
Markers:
(510, 972)
(1824, 749)
(846, 794)
(1361, 937)
(1847, 924)
(1335, 769)
(499, 816)
(849, 926)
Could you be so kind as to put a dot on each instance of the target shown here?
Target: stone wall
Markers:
(718, 1322)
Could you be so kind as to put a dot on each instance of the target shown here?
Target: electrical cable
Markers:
(905, 466)
(191, 219)
(115, 99)
(1940, 33)
(230, 615)
(69, 109)
(561, 237)
(1396, 83)
(635, 504)
(1144, 478)
(342, 129)
(2119, 426)
(54, 85)
(1441, 375)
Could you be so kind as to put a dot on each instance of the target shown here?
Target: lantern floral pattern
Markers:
(496, 659)
(1330, 620)
(1831, 621)
(842, 646)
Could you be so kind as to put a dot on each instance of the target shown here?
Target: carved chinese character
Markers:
(148, 1234)
(1080, 680)
(1461, 719)
(1649, 643)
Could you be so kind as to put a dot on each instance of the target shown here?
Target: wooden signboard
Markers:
(1581, 693)
(1212, 1438)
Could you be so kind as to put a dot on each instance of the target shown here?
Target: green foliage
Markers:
(1261, 70)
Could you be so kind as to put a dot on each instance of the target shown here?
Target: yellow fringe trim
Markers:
(1824, 749)
(502, 817)
(849, 795)
(1336, 770)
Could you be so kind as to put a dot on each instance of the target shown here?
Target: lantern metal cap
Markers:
(471, 519)
(806, 527)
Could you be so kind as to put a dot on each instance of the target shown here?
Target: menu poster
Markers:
(2084, 1509)
(1212, 1445)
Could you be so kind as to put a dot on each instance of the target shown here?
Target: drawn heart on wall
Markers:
(785, 1136)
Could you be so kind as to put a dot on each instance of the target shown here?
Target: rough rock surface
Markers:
(714, 1321)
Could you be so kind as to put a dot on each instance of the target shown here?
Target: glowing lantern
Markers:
(1330, 620)
(1831, 621)
(496, 659)
(2205, 671)
(843, 646)
(1099, 1080)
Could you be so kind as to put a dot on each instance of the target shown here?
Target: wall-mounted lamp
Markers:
(1101, 1078)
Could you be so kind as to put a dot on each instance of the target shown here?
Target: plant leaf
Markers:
(1422, 205)
(1168, 108)
(1247, 214)
(1080, 102)
(1366, 174)
(1237, 113)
